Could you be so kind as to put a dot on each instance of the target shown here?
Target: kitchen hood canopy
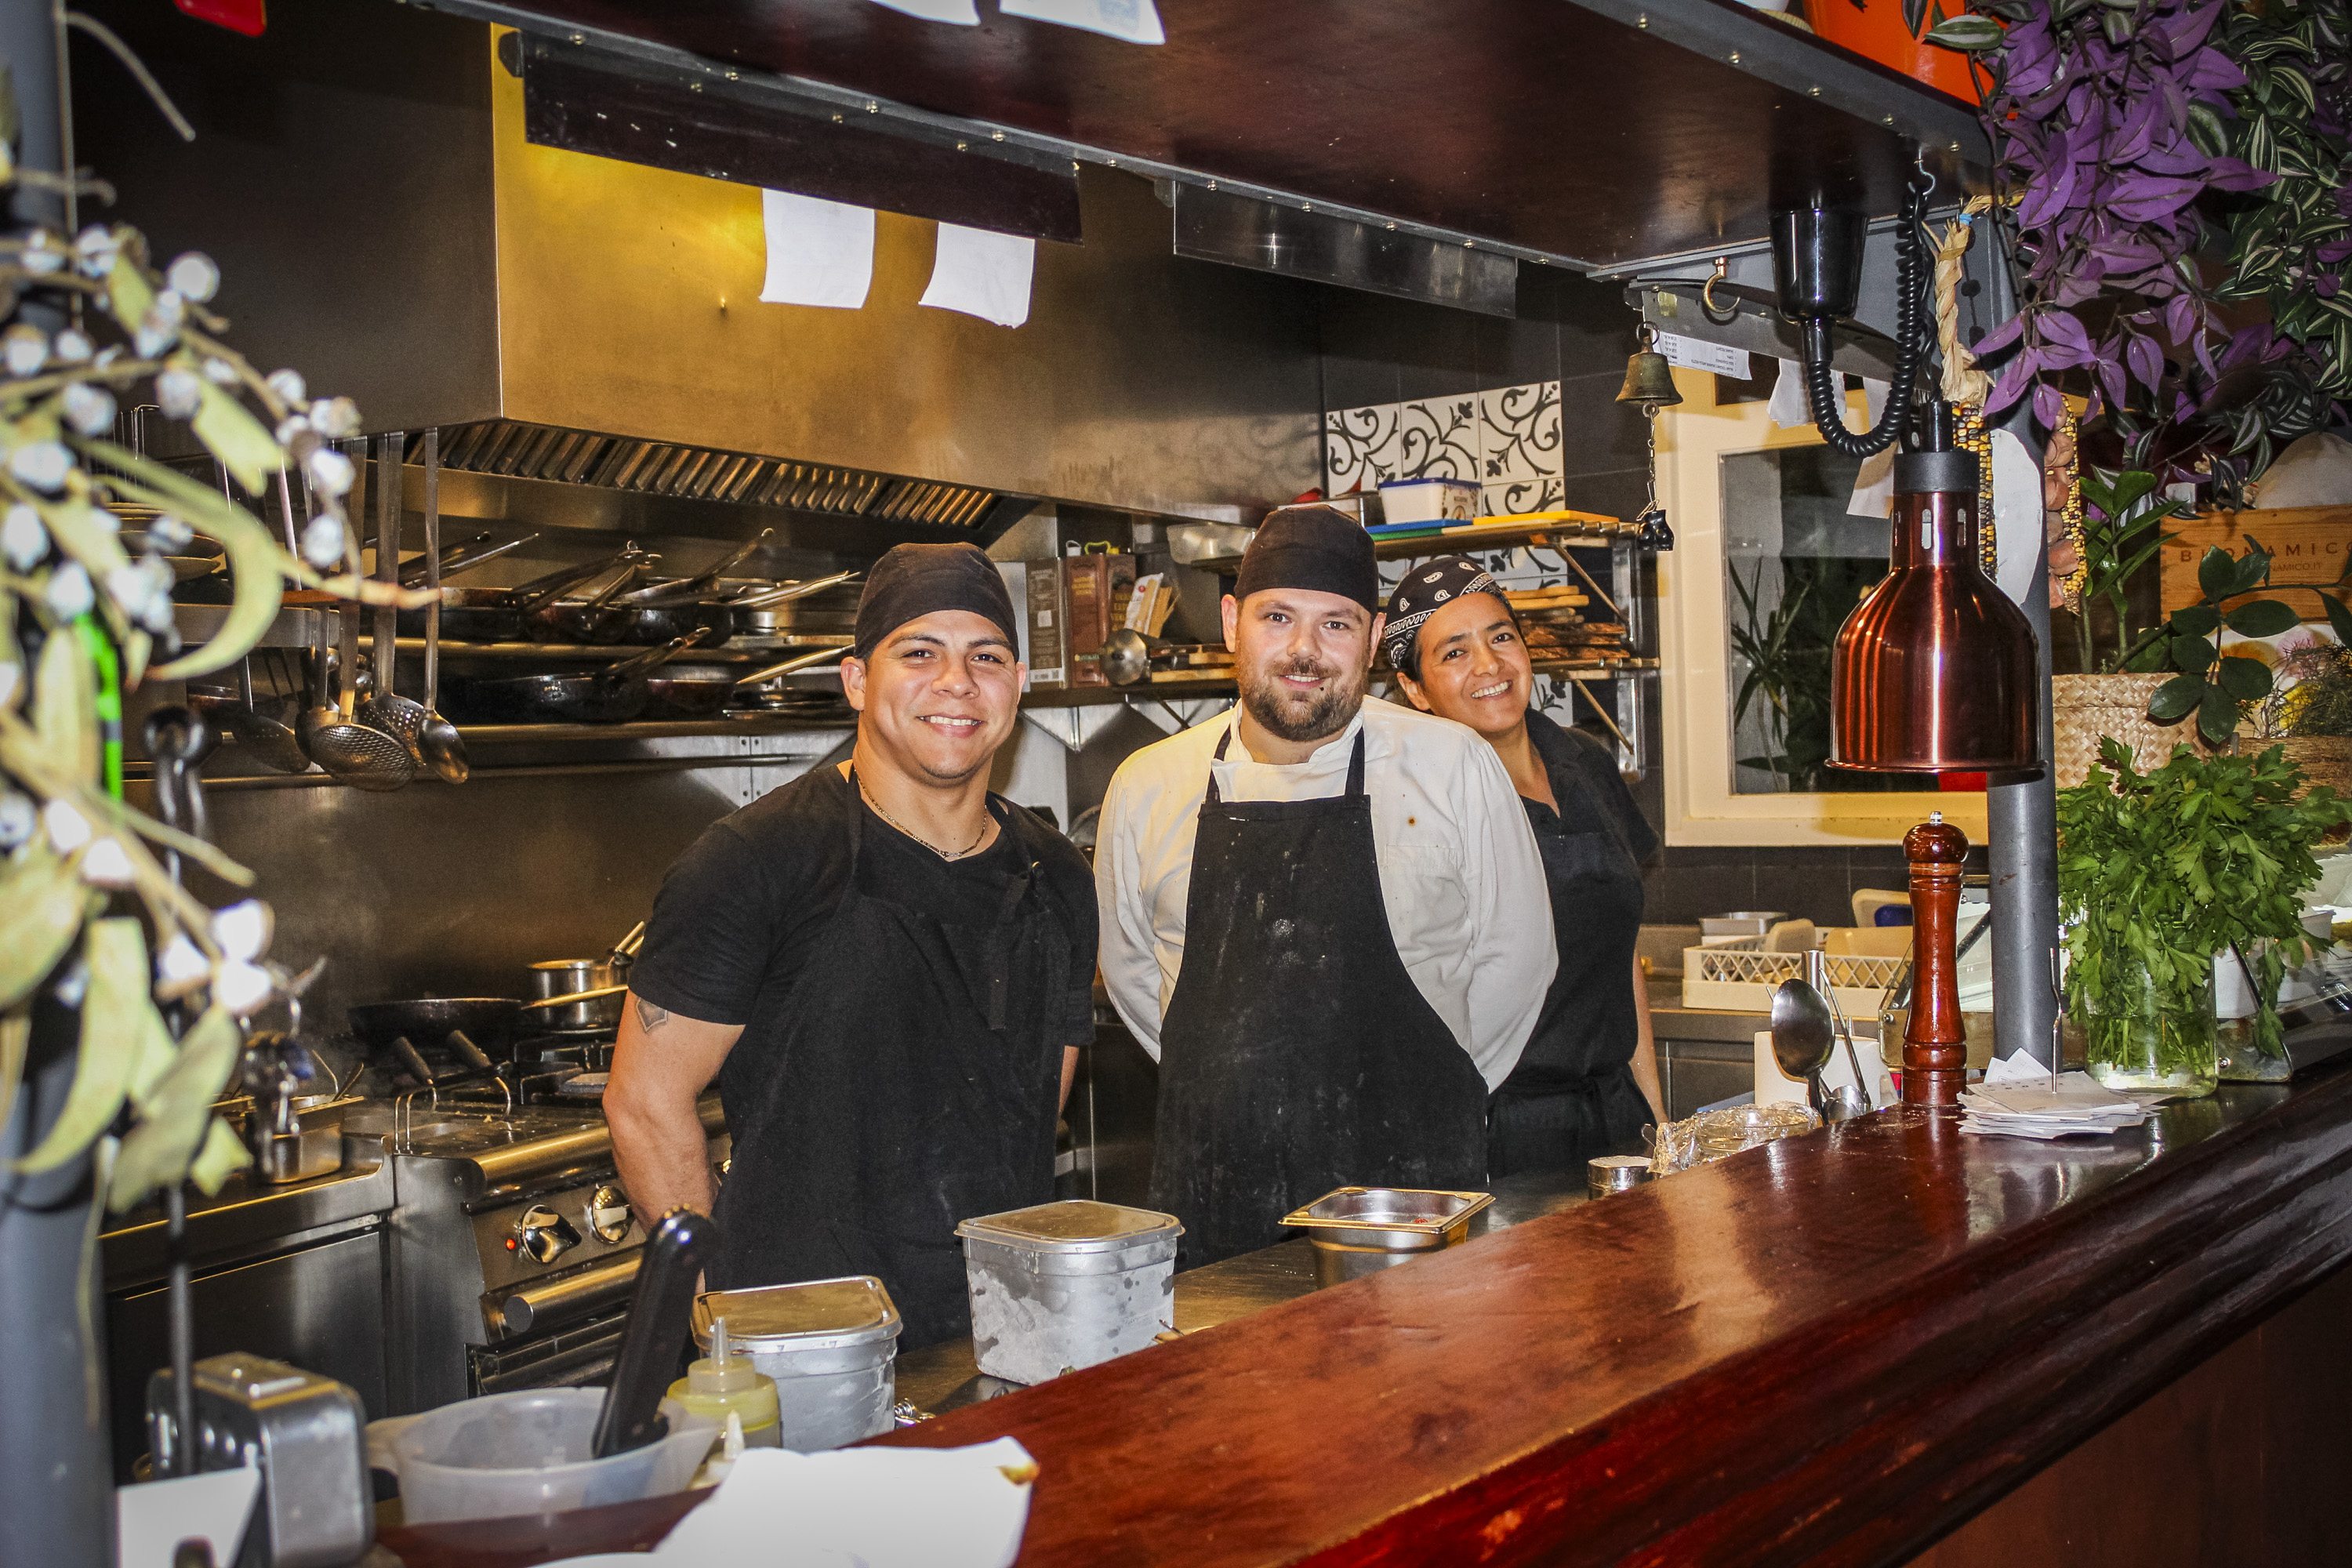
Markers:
(668, 472)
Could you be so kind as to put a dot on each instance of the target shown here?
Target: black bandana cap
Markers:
(1318, 548)
(1428, 589)
(917, 580)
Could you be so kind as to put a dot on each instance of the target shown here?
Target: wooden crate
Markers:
(2307, 546)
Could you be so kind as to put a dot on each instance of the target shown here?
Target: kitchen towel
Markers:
(819, 252)
(982, 274)
(1136, 21)
(875, 1508)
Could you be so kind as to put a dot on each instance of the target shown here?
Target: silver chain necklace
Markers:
(868, 795)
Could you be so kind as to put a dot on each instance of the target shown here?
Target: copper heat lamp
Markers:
(1934, 671)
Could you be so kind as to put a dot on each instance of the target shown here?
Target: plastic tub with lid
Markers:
(1067, 1285)
(830, 1345)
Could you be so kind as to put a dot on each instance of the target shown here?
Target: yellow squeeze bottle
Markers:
(724, 1384)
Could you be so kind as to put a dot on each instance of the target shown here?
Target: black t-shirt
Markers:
(741, 913)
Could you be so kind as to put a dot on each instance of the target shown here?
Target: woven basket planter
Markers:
(2324, 759)
(2085, 706)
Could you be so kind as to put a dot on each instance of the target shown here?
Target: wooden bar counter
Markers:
(1878, 1340)
(1833, 1350)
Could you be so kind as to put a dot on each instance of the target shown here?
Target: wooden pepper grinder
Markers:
(1935, 1042)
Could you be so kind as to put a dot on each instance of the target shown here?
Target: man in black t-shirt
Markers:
(887, 969)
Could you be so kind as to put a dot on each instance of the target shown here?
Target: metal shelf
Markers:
(1545, 535)
(725, 653)
(645, 728)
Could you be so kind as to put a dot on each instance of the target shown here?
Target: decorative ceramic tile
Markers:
(1359, 448)
(1520, 450)
(1507, 440)
(1438, 438)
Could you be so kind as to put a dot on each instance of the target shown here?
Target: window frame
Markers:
(1694, 688)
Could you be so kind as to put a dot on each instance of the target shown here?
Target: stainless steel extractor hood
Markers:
(362, 175)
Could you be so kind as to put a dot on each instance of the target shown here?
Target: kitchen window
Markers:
(1767, 562)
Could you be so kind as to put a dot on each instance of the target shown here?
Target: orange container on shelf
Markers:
(1876, 29)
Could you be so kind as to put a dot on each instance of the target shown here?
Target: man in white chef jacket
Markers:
(1325, 918)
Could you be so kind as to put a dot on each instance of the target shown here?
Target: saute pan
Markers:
(700, 691)
(609, 696)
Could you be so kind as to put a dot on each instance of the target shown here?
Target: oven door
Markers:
(570, 1357)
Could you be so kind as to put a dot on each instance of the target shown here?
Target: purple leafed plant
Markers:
(2110, 123)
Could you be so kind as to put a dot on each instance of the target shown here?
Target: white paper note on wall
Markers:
(1791, 407)
(982, 274)
(1136, 21)
(963, 13)
(1873, 487)
(819, 252)
(1697, 354)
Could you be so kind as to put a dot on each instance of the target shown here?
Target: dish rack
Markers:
(1737, 975)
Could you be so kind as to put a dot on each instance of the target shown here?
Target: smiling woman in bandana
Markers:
(887, 968)
(1589, 1077)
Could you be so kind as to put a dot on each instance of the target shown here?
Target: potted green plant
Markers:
(2157, 873)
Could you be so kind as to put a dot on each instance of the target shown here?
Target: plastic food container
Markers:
(1428, 500)
(1357, 1231)
(832, 1346)
(1067, 1285)
(508, 1455)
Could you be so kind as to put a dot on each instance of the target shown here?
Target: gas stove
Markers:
(514, 1248)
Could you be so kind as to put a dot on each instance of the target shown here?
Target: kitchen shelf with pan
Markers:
(1538, 530)
(592, 653)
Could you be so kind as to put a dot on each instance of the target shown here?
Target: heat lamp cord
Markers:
(1822, 383)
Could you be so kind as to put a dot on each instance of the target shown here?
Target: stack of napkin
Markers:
(2016, 1101)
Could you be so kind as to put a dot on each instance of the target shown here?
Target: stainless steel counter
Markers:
(945, 1377)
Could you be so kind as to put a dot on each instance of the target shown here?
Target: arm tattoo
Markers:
(650, 1018)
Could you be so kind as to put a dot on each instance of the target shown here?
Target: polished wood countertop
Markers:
(1831, 1350)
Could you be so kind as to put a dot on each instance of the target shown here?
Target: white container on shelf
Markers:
(832, 1346)
(1428, 500)
(1067, 1285)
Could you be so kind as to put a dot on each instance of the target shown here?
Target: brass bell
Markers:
(1649, 379)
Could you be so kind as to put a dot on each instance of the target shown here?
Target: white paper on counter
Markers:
(153, 1517)
(819, 252)
(982, 274)
(873, 1508)
(1874, 401)
(1699, 354)
(1792, 407)
(1135, 21)
(963, 13)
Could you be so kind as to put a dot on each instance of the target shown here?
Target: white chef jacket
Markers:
(1459, 873)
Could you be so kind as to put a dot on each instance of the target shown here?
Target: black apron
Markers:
(901, 1102)
(1572, 1097)
(1297, 1055)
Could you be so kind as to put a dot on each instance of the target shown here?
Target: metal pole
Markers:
(2022, 811)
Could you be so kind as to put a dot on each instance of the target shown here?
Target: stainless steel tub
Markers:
(1357, 1231)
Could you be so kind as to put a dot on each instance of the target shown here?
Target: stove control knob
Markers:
(543, 1235)
(608, 1214)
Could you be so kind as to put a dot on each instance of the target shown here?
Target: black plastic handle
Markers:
(660, 1315)
(412, 1061)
